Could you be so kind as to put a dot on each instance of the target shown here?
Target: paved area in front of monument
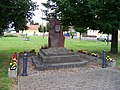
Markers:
(90, 77)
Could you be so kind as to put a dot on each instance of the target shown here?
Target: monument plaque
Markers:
(57, 28)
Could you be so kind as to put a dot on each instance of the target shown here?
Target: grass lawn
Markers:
(9, 45)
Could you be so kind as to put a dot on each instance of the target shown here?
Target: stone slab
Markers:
(49, 60)
(47, 66)
(57, 55)
(56, 51)
(12, 73)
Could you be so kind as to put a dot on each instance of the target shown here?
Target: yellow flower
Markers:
(10, 63)
(108, 56)
(92, 53)
(15, 63)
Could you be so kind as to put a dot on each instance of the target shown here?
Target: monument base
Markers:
(57, 55)
(47, 66)
(57, 58)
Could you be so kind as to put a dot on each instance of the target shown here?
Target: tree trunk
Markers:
(80, 35)
(22, 33)
(72, 36)
(43, 34)
(1, 32)
(114, 43)
(108, 39)
(17, 30)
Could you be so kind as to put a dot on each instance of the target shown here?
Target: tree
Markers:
(100, 15)
(32, 22)
(4, 14)
(36, 23)
(65, 28)
(50, 5)
(24, 28)
(40, 29)
(80, 30)
(16, 12)
(44, 29)
(108, 19)
(72, 34)
(24, 12)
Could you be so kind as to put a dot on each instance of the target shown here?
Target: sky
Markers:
(38, 13)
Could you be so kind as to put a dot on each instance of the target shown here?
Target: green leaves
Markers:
(40, 28)
(81, 30)
(16, 12)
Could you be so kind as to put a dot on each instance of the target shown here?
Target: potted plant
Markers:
(110, 62)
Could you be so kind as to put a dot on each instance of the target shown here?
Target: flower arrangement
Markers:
(108, 58)
(94, 54)
(83, 51)
(13, 65)
(110, 61)
(33, 50)
(13, 62)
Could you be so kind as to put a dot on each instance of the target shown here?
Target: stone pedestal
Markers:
(54, 58)
(56, 38)
(57, 55)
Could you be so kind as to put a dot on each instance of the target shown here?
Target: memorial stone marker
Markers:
(55, 55)
(56, 38)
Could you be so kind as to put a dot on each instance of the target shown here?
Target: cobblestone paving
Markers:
(83, 78)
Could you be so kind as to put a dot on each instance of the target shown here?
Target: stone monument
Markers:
(56, 55)
(56, 38)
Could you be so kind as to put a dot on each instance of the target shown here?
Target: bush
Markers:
(10, 35)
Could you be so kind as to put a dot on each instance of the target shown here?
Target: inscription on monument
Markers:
(57, 28)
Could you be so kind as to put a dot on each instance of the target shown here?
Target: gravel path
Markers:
(90, 77)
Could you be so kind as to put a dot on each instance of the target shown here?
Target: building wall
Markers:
(30, 32)
(33, 32)
(93, 33)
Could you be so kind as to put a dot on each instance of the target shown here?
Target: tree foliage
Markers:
(65, 28)
(80, 30)
(102, 15)
(108, 19)
(16, 12)
(40, 28)
(44, 28)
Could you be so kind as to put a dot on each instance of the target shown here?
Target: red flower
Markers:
(14, 56)
(31, 51)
